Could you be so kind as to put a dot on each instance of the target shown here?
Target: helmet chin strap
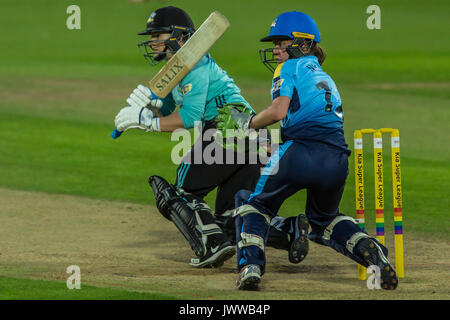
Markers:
(160, 56)
(172, 43)
(295, 49)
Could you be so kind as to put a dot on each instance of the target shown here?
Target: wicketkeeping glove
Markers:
(233, 123)
(144, 97)
(234, 117)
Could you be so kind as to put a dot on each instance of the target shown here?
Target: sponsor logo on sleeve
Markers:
(276, 87)
(184, 90)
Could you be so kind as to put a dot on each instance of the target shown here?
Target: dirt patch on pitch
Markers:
(131, 246)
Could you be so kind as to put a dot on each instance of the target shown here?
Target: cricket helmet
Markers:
(166, 20)
(292, 25)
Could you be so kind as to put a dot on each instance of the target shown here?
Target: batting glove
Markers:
(144, 97)
(135, 118)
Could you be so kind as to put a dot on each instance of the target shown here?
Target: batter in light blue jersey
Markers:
(313, 156)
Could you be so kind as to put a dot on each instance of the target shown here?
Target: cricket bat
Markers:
(187, 56)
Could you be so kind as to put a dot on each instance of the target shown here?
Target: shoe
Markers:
(299, 246)
(215, 256)
(369, 250)
(249, 277)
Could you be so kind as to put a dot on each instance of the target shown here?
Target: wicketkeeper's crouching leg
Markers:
(252, 231)
(344, 235)
(288, 234)
(195, 220)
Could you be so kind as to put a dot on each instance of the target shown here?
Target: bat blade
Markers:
(189, 54)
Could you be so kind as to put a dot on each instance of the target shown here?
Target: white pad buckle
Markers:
(246, 209)
(249, 239)
(208, 229)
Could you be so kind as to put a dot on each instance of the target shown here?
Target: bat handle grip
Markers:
(116, 133)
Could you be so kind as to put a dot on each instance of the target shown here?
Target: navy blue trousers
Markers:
(318, 167)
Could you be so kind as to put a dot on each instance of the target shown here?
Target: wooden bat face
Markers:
(189, 54)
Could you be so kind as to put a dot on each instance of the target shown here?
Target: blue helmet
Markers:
(293, 24)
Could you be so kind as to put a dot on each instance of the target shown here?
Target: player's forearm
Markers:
(264, 119)
(171, 122)
(274, 113)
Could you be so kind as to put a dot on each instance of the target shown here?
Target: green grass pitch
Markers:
(60, 90)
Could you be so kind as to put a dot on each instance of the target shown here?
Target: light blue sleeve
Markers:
(194, 90)
(287, 84)
(283, 83)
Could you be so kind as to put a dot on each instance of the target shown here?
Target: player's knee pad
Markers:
(252, 229)
(190, 214)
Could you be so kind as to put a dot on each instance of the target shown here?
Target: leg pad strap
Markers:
(248, 239)
(329, 229)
